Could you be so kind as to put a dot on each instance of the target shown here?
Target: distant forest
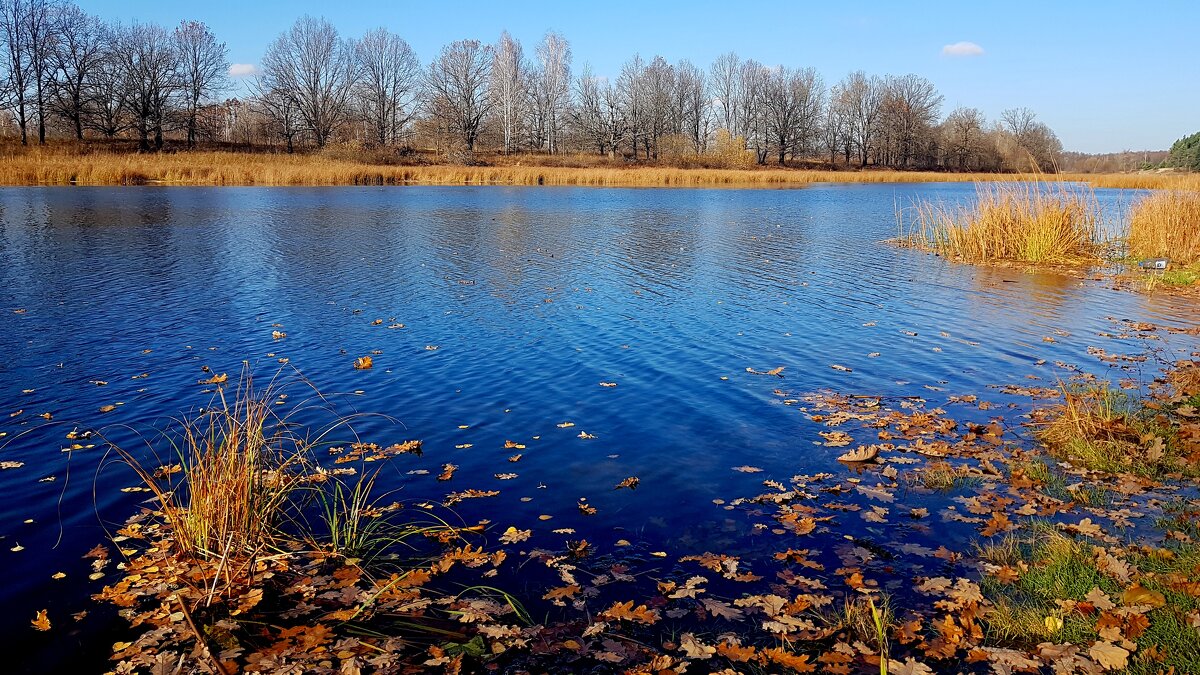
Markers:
(69, 74)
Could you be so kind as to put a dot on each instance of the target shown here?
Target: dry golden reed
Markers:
(1030, 222)
(65, 165)
(1166, 224)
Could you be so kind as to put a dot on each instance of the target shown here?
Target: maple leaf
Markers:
(41, 621)
(998, 523)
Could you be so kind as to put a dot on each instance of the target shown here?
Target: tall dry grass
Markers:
(226, 485)
(103, 165)
(1031, 222)
(1166, 224)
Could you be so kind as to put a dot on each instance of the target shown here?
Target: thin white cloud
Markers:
(243, 70)
(962, 49)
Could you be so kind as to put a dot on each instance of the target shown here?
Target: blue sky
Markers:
(1106, 76)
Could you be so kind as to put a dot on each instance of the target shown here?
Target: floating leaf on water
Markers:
(863, 453)
(608, 384)
(745, 468)
(363, 362)
(215, 379)
(630, 482)
(41, 621)
(278, 335)
(840, 367)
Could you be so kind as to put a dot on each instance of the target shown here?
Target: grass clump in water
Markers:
(1031, 223)
(227, 575)
(1106, 429)
(1167, 225)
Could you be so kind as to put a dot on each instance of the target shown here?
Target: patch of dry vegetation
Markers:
(1032, 222)
(95, 164)
(1109, 430)
(1166, 224)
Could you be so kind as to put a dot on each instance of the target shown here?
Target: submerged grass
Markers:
(229, 574)
(1032, 222)
(1105, 429)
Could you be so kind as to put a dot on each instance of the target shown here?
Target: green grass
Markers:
(1058, 567)
(1106, 429)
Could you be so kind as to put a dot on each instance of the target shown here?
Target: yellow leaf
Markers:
(41, 621)
(1140, 595)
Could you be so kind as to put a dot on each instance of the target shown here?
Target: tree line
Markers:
(67, 72)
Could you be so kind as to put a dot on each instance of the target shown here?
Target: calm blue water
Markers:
(532, 296)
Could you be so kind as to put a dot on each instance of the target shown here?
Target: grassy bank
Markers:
(87, 165)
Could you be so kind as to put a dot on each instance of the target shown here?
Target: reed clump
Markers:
(1167, 225)
(234, 468)
(1032, 222)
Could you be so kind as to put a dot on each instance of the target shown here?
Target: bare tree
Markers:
(150, 66)
(280, 111)
(792, 103)
(599, 113)
(833, 129)
(14, 23)
(693, 104)
(964, 136)
(752, 80)
(723, 81)
(106, 101)
(313, 66)
(658, 85)
(553, 85)
(1037, 147)
(861, 98)
(909, 110)
(203, 65)
(633, 100)
(508, 85)
(458, 89)
(389, 84)
(79, 52)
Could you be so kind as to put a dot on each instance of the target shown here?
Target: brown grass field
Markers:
(67, 164)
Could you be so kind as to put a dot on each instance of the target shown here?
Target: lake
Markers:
(516, 305)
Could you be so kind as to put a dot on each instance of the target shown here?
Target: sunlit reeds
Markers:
(234, 466)
(1166, 224)
(1029, 222)
(102, 165)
